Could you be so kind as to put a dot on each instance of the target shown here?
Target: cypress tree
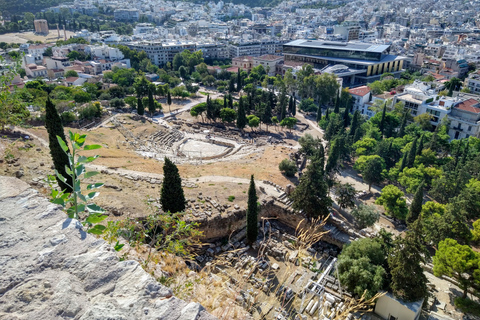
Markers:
(358, 135)
(231, 85)
(171, 195)
(151, 102)
(54, 126)
(355, 120)
(382, 121)
(140, 108)
(252, 213)
(327, 113)
(294, 107)
(420, 146)
(267, 115)
(401, 132)
(337, 104)
(334, 154)
(283, 112)
(346, 118)
(169, 100)
(403, 164)
(225, 101)
(230, 101)
(241, 117)
(319, 114)
(411, 154)
(416, 206)
(290, 103)
(239, 80)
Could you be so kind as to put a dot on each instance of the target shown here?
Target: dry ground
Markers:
(23, 37)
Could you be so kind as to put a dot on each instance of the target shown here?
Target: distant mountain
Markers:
(21, 6)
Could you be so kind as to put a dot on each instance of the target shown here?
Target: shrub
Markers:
(231, 198)
(117, 103)
(68, 117)
(288, 167)
(467, 306)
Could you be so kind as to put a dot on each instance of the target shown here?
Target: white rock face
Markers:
(51, 269)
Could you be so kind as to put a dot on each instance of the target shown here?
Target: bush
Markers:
(467, 306)
(117, 103)
(365, 215)
(288, 167)
(68, 117)
(231, 198)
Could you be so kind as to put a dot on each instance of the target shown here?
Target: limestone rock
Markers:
(51, 269)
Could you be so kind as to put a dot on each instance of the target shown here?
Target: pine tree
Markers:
(294, 107)
(241, 117)
(411, 154)
(171, 195)
(409, 282)
(403, 124)
(140, 108)
(355, 122)
(416, 206)
(252, 213)
(382, 121)
(151, 102)
(54, 126)
(311, 195)
(420, 145)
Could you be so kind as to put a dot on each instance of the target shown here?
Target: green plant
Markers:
(467, 306)
(231, 198)
(78, 205)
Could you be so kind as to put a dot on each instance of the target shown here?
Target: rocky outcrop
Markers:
(51, 269)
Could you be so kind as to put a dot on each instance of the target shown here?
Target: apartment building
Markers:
(473, 82)
(361, 96)
(213, 50)
(162, 52)
(256, 48)
(126, 14)
(465, 120)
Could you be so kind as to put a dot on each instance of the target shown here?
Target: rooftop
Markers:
(269, 57)
(360, 91)
(470, 105)
(337, 45)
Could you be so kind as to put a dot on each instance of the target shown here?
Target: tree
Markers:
(309, 145)
(140, 107)
(71, 73)
(459, 262)
(54, 126)
(423, 120)
(311, 194)
(199, 110)
(171, 194)
(365, 215)
(403, 124)
(393, 201)
(241, 117)
(267, 115)
(294, 107)
(409, 283)
(151, 103)
(416, 206)
(308, 105)
(371, 168)
(289, 122)
(228, 115)
(253, 121)
(382, 121)
(411, 154)
(169, 100)
(141, 86)
(345, 194)
(252, 213)
(288, 167)
(360, 267)
(334, 154)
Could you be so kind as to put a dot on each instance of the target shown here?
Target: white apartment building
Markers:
(104, 52)
(162, 52)
(126, 14)
(473, 83)
(465, 120)
(256, 48)
(361, 97)
(143, 28)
